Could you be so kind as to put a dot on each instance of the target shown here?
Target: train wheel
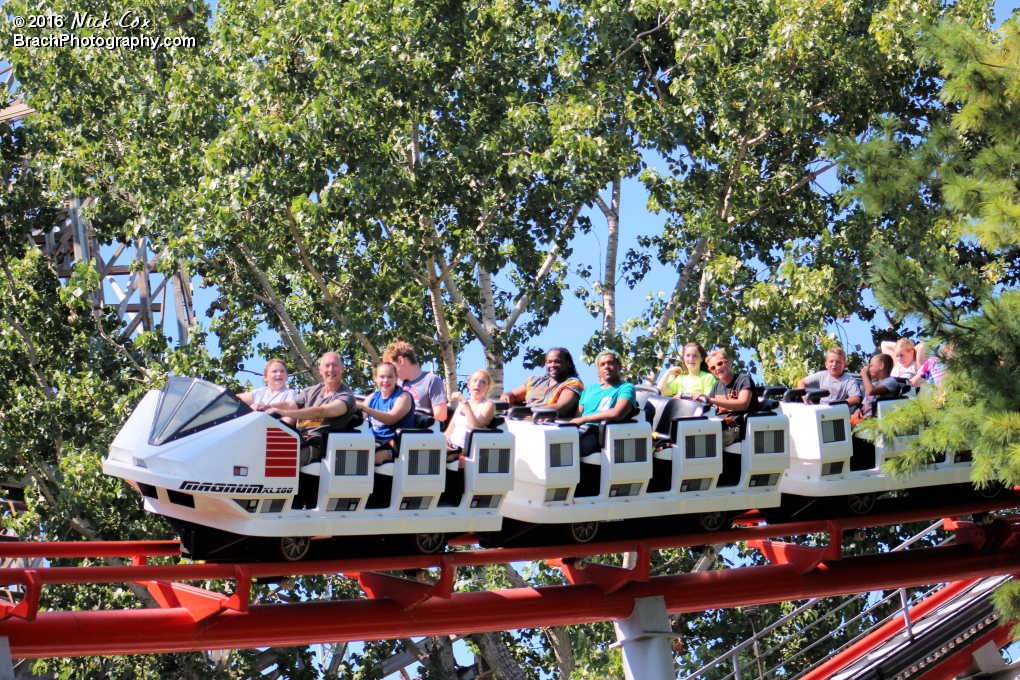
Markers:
(988, 490)
(293, 548)
(583, 532)
(860, 503)
(430, 543)
(712, 521)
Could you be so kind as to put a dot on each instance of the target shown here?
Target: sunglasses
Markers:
(720, 364)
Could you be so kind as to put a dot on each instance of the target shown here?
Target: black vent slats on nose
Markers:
(561, 455)
(631, 450)
(351, 463)
(833, 431)
(769, 441)
(700, 446)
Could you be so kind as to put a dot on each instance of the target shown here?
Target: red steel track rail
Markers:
(193, 619)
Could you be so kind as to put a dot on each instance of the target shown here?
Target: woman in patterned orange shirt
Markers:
(559, 388)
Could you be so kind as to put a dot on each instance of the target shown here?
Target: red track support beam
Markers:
(133, 549)
(137, 631)
(74, 549)
(880, 635)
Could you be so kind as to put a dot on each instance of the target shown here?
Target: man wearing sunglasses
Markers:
(731, 394)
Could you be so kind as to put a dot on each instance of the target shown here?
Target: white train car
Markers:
(200, 456)
(827, 461)
(225, 475)
(671, 462)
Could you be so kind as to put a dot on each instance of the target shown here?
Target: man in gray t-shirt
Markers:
(320, 408)
(841, 385)
(426, 388)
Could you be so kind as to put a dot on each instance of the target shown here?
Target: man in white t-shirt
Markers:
(427, 388)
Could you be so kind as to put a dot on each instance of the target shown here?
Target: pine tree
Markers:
(950, 197)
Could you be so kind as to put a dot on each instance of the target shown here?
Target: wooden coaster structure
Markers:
(141, 296)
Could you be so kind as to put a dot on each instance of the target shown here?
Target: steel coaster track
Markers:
(194, 619)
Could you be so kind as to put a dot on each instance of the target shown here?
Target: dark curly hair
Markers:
(567, 359)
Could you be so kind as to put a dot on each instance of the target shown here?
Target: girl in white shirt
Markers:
(275, 391)
(476, 412)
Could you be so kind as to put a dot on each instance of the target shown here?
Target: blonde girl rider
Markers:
(475, 413)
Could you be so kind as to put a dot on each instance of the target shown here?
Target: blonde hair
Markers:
(905, 343)
(488, 378)
(265, 371)
(715, 352)
(837, 350)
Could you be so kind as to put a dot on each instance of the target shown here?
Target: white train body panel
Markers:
(241, 476)
(818, 448)
(533, 498)
(239, 472)
(696, 456)
(546, 469)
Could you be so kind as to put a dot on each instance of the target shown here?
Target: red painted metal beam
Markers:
(73, 549)
(175, 630)
(81, 549)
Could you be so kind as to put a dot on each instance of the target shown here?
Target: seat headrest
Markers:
(423, 421)
(689, 408)
(659, 413)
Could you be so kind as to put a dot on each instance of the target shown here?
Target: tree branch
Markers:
(324, 289)
(804, 180)
(543, 271)
(731, 179)
(281, 311)
(451, 287)
(661, 24)
(685, 276)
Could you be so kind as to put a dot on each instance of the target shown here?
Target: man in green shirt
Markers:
(611, 400)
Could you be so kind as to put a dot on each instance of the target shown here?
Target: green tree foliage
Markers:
(742, 108)
(345, 173)
(949, 195)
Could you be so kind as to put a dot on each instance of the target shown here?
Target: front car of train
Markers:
(221, 473)
(197, 453)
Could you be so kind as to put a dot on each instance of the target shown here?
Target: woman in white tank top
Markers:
(476, 412)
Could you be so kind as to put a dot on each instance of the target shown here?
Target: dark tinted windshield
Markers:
(188, 405)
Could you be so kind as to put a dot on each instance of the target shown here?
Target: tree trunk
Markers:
(495, 653)
(558, 636)
(612, 213)
(281, 311)
(494, 365)
(434, 283)
(702, 306)
(441, 660)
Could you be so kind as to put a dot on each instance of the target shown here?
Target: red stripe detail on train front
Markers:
(281, 453)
